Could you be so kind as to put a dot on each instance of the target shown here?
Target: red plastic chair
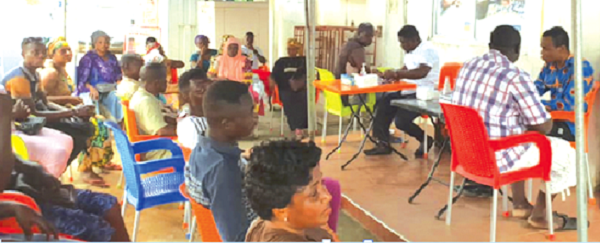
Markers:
(473, 157)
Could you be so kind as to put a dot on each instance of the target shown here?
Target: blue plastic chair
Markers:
(154, 190)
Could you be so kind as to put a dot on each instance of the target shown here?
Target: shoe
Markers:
(419, 153)
(378, 150)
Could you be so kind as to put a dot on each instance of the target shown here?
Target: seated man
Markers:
(131, 65)
(422, 65)
(192, 87)
(557, 76)
(507, 100)
(148, 108)
(215, 174)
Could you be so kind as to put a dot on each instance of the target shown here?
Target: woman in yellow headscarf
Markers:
(289, 74)
(56, 82)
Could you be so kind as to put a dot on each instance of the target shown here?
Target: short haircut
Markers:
(151, 39)
(276, 171)
(130, 58)
(559, 36)
(222, 94)
(409, 32)
(249, 33)
(365, 27)
(194, 73)
(506, 37)
(153, 72)
(30, 40)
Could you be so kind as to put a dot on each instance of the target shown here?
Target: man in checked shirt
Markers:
(507, 100)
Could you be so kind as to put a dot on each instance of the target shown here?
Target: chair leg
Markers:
(120, 184)
(505, 201)
(425, 147)
(354, 125)
(70, 173)
(404, 140)
(186, 215)
(124, 203)
(530, 190)
(493, 216)
(549, 217)
(282, 121)
(271, 122)
(192, 230)
(591, 199)
(340, 134)
(449, 212)
(136, 224)
(324, 133)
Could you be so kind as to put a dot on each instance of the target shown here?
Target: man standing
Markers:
(353, 55)
(253, 53)
(557, 76)
(506, 99)
(421, 64)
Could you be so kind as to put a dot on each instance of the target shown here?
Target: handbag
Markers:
(32, 126)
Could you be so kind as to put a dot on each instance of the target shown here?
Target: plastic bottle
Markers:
(363, 70)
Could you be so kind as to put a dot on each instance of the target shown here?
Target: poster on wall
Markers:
(491, 13)
(455, 18)
(468, 19)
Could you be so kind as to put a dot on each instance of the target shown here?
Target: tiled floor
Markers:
(382, 186)
(376, 191)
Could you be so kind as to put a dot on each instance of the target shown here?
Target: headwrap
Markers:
(231, 67)
(293, 43)
(56, 44)
(97, 34)
(199, 38)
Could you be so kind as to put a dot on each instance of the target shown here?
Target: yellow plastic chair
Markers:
(333, 105)
(19, 147)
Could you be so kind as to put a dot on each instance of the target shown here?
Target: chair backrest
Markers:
(325, 75)
(450, 70)
(19, 148)
(130, 121)
(470, 141)
(204, 219)
(132, 175)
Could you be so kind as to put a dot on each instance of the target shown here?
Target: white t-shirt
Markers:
(250, 54)
(189, 130)
(425, 54)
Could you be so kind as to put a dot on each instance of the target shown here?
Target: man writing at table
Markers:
(421, 65)
(507, 100)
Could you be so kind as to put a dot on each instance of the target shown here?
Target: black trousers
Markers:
(385, 114)
(295, 105)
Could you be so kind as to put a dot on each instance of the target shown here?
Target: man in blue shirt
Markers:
(216, 170)
(558, 77)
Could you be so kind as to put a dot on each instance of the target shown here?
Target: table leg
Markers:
(352, 120)
(430, 176)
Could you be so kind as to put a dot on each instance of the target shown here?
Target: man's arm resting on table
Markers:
(418, 73)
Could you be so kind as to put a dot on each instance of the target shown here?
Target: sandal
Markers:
(94, 180)
(112, 166)
(568, 223)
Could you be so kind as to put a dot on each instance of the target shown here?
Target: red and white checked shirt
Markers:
(505, 97)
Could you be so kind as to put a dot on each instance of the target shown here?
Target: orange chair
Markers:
(570, 116)
(449, 70)
(203, 218)
(133, 134)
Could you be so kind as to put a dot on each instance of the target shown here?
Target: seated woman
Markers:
(285, 188)
(83, 214)
(289, 74)
(97, 76)
(58, 86)
(202, 58)
(232, 64)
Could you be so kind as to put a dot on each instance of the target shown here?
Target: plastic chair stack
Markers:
(203, 219)
(153, 190)
(473, 157)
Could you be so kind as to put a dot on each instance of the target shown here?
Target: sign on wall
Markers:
(468, 19)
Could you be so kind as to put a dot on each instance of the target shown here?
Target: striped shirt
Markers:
(189, 130)
(505, 97)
